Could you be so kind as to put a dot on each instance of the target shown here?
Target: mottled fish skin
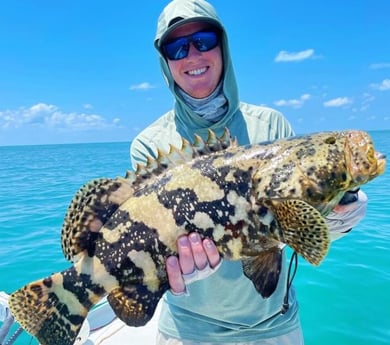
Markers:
(119, 232)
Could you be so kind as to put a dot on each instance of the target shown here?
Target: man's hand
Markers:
(347, 215)
(196, 260)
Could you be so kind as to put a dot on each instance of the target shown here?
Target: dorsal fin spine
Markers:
(176, 156)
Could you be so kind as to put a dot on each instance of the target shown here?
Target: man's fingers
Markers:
(175, 278)
(194, 258)
(198, 252)
(186, 259)
(212, 253)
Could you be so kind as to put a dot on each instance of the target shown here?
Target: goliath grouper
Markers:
(248, 199)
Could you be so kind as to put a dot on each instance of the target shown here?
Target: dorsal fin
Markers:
(97, 200)
(176, 156)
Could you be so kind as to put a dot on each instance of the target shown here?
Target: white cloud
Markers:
(380, 65)
(87, 106)
(382, 86)
(338, 102)
(142, 86)
(285, 56)
(295, 103)
(367, 97)
(366, 101)
(47, 115)
(42, 108)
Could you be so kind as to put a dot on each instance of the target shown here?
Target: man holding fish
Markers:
(211, 300)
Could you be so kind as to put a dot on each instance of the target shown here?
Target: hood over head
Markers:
(175, 14)
(180, 12)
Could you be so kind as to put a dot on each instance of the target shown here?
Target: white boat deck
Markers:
(106, 329)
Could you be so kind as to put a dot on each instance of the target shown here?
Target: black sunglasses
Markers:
(179, 47)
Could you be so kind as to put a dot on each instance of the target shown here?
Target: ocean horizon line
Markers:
(129, 141)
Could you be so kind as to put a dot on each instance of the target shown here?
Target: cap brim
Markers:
(181, 22)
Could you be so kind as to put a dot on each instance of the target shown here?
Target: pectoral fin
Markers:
(264, 270)
(303, 228)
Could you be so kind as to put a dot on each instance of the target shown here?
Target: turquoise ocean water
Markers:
(344, 301)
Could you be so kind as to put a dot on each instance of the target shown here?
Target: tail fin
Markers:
(48, 311)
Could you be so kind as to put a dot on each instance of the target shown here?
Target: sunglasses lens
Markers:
(178, 49)
(205, 40)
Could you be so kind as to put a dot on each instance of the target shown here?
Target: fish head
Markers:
(343, 160)
(363, 161)
(317, 168)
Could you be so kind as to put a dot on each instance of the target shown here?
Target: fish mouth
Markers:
(381, 162)
(365, 162)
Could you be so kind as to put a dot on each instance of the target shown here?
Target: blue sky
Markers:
(86, 71)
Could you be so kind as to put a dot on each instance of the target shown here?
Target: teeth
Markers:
(197, 71)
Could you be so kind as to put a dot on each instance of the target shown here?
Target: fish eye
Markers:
(330, 140)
